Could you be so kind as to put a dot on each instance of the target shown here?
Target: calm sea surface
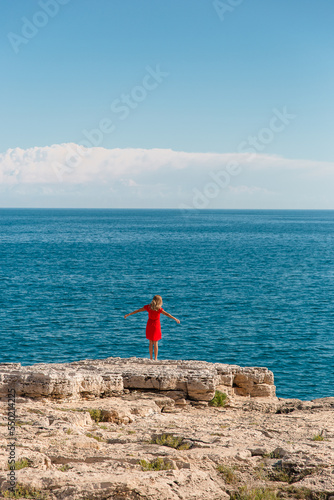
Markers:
(253, 288)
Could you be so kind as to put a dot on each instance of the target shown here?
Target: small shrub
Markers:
(259, 472)
(280, 474)
(21, 463)
(65, 468)
(96, 414)
(171, 441)
(318, 437)
(156, 464)
(22, 491)
(219, 399)
(254, 494)
(287, 475)
(227, 473)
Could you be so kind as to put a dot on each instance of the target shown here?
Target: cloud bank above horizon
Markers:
(69, 175)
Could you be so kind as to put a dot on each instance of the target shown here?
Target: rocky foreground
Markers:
(138, 429)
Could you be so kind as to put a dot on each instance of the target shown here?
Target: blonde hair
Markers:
(156, 303)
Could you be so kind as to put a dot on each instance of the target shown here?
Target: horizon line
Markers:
(161, 208)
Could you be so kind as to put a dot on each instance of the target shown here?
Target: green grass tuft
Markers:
(96, 414)
(280, 474)
(220, 399)
(318, 437)
(65, 468)
(227, 473)
(22, 491)
(21, 464)
(171, 441)
(156, 464)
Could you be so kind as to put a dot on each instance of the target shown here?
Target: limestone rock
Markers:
(89, 379)
(71, 456)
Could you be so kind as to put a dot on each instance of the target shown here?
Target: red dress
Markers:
(153, 327)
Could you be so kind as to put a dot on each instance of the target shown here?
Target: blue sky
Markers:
(225, 76)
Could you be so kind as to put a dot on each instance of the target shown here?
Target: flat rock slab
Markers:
(195, 380)
(69, 454)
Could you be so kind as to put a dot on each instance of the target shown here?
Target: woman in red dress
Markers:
(153, 327)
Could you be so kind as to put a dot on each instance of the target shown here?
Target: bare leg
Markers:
(151, 349)
(155, 350)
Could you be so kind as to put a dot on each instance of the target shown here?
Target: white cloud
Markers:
(70, 175)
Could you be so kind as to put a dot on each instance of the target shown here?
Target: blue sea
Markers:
(250, 287)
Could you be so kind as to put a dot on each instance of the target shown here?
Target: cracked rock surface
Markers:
(92, 448)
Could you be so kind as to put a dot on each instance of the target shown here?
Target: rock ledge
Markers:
(196, 380)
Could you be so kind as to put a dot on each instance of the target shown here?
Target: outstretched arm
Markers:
(170, 316)
(135, 312)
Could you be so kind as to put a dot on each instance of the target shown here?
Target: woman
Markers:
(153, 327)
